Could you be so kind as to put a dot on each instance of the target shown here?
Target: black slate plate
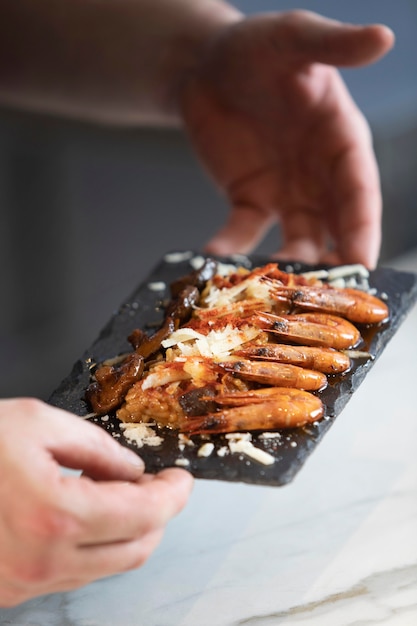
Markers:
(290, 449)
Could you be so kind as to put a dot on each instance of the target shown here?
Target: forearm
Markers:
(116, 61)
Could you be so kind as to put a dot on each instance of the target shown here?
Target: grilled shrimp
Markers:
(279, 374)
(326, 360)
(355, 305)
(311, 329)
(261, 409)
(216, 366)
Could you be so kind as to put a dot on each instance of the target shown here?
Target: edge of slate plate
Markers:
(290, 449)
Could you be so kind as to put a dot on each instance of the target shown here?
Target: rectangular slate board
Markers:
(290, 449)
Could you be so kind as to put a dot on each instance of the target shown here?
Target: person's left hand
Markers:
(276, 127)
(60, 531)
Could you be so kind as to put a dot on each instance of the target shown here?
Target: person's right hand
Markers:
(277, 129)
(61, 531)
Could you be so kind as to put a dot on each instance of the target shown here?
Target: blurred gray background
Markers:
(86, 212)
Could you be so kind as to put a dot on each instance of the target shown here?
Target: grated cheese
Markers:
(206, 449)
(355, 276)
(177, 257)
(223, 269)
(348, 270)
(239, 436)
(185, 440)
(163, 376)
(268, 435)
(141, 434)
(157, 286)
(253, 287)
(182, 462)
(217, 343)
(246, 447)
(181, 335)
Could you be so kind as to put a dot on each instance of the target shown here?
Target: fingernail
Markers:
(132, 458)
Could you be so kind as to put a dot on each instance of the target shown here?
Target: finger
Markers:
(314, 38)
(87, 565)
(301, 250)
(110, 512)
(135, 521)
(359, 208)
(246, 227)
(82, 566)
(303, 235)
(105, 560)
(357, 200)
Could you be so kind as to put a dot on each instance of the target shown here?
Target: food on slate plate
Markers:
(238, 350)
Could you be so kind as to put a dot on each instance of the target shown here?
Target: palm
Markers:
(283, 139)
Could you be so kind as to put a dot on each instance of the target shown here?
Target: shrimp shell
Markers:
(353, 304)
(326, 360)
(311, 329)
(266, 409)
(279, 374)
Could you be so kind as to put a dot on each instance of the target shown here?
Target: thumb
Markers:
(314, 38)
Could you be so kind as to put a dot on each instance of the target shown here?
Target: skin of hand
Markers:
(260, 97)
(277, 129)
(59, 531)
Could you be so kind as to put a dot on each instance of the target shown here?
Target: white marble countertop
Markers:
(337, 547)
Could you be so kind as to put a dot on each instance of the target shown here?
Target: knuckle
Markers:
(16, 409)
(296, 18)
(49, 524)
(296, 15)
(30, 406)
(43, 533)
(32, 572)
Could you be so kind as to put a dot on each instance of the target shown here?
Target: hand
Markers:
(58, 532)
(277, 129)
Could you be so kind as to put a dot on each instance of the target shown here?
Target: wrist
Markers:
(113, 61)
(185, 50)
